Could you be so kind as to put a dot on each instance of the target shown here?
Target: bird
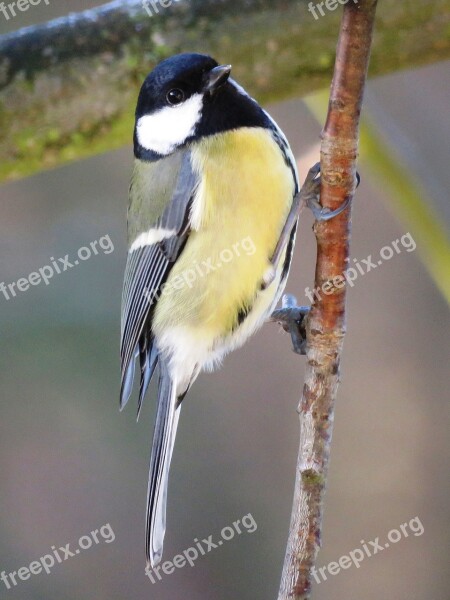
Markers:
(213, 177)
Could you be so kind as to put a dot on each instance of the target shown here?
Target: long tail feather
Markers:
(148, 361)
(167, 416)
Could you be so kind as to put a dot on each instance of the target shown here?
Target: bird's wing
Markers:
(165, 215)
(287, 237)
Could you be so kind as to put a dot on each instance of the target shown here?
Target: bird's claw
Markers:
(310, 195)
(292, 318)
(322, 213)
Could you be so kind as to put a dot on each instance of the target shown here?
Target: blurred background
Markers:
(71, 463)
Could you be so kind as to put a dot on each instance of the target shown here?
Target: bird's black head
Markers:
(186, 97)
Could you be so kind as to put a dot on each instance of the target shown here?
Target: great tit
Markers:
(213, 175)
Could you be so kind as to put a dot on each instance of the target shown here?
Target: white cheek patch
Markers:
(153, 236)
(170, 126)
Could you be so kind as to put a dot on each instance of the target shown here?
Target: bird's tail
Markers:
(165, 431)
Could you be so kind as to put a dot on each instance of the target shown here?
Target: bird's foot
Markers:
(310, 196)
(292, 319)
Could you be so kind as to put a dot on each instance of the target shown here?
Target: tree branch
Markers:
(68, 87)
(325, 325)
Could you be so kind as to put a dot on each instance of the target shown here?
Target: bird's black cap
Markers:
(224, 105)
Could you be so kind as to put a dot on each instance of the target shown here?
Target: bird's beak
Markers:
(216, 78)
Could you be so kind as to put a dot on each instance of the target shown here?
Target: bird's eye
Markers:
(175, 96)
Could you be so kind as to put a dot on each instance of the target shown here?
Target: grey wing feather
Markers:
(146, 270)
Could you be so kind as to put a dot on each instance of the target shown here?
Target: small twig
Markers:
(325, 325)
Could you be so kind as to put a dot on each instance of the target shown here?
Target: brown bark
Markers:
(325, 325)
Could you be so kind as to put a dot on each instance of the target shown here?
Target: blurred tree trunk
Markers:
(68, 87)
(325, 324)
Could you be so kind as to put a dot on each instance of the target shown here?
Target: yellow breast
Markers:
(237, 216)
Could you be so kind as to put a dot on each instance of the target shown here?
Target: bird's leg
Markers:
(310, 189)
(308, 196)
(292, 319)
(291, 316)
